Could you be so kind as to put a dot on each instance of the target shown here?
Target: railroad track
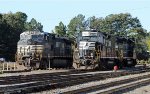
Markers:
(36, 77)
(41, 82)
(126, 87)
(112, 87)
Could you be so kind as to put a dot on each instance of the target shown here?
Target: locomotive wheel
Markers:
(36, 66)
(102, 65)
(26, 64)
(129, 63)
(134, 62)
(110, 64)
(69, 63)
(76, 65)
(94, 63)
(43, 64)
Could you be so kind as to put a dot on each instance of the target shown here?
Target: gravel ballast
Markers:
(90, 84)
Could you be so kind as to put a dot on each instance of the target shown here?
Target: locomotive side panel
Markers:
(62, 53)
(108, 58)
(30, 49)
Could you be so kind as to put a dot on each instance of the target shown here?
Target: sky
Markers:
(51, 12)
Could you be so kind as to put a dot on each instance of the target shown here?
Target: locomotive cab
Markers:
(86, 50)
(30, 48)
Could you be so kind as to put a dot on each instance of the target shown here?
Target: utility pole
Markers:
(49, 65)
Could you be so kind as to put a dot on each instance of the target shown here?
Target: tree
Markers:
(118, 24)
(140, 35)
(2, 32)
(12, 26)
(76, 23)
(148, 42)
(93, 23)
(60, 29)
(16, 21)
(34, 25)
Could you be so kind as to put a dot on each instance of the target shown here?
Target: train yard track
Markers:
(41, 82)
(125, 87)
(113, 87)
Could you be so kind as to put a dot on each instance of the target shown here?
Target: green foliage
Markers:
(16, 20)
(148, 41)
(117, 24)
(76, 24)
(34, 25)
(139, 34)
(11, 26)
(96, 23)
(60, 29)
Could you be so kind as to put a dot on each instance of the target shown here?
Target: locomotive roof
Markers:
(30, 33)
(44, 33)
(121, 39)
(56, 36)
(92, 30)
(61, 37)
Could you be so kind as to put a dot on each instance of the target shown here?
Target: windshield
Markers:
(87, 38)
(22, 37)
(30, 39)
(37, 37)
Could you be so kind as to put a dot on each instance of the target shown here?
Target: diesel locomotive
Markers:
(43, 50)
(95, 49)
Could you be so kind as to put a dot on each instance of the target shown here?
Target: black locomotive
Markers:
(99, 50)
(43, 50)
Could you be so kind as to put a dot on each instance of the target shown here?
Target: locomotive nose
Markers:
(87, 62)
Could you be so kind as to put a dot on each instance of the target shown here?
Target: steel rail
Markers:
(126, 86)
(105, 86)
(50, 82)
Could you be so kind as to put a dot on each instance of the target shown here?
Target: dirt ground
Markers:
(141, 90)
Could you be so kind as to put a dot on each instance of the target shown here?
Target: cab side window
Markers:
(46, 37)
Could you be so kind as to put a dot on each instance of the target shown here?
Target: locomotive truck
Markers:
(95, 49)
